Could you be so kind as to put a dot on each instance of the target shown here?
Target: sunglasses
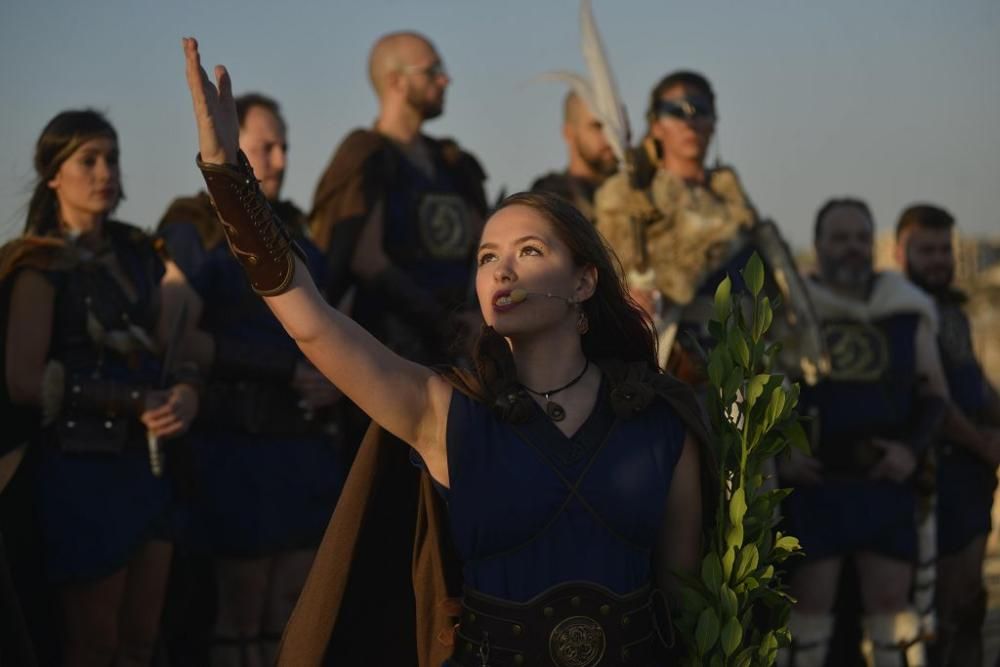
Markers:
(686, 108)
(432, 71)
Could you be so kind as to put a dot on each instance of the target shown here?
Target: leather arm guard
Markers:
(258, 239)
(240, 360)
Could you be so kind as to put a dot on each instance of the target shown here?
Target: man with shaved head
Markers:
(591, 160)
(398, 214)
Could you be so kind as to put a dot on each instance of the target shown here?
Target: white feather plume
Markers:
(599, 92)
(610, 110)
(577, 82)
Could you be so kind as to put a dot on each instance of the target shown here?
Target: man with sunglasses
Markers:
(591, 160)
(398, 214)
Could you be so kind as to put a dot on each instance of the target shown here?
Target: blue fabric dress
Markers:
(96, 509)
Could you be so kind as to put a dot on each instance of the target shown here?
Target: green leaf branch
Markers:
(735, 612)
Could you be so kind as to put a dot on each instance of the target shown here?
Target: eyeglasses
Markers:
(686, 108)
(432, 71)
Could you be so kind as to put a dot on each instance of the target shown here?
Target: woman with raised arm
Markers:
(88, 310)
(569, 465)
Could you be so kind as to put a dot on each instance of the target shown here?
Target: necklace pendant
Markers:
(555, 411)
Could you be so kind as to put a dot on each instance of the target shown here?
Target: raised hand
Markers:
(214, 108)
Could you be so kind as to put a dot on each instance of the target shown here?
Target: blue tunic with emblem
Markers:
(869, 393)
(430, 234)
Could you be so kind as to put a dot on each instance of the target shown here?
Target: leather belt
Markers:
(577, 624)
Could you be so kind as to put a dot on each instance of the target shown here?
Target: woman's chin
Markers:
(505, 329)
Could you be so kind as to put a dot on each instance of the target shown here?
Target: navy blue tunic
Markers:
(869, 393)
(965, 482)
(430, 234)
(256, 494)
(531, 508)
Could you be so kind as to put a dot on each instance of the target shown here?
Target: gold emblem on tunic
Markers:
(577, 641)
(444, 226)
(859, 352)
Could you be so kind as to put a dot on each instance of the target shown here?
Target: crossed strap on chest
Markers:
(572, 493)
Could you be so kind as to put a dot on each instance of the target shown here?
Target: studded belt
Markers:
(577, 624)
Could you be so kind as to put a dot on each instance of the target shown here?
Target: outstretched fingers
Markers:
(225, 85)
(214, 108)
(197, 79)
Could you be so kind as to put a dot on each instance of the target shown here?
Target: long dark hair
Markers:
(61, 137)
(619, 328)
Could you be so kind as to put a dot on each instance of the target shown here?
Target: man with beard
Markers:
(872, 420)
(398, 214)
(591, 160)
(968, 450)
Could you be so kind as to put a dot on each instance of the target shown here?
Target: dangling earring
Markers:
(582, 323)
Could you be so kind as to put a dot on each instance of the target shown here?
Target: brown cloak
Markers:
(360, 174)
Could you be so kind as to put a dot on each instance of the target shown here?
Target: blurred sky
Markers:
(893, 101)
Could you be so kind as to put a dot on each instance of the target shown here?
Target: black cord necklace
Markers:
(555, 411)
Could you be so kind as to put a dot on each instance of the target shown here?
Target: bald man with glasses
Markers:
(398, 214)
